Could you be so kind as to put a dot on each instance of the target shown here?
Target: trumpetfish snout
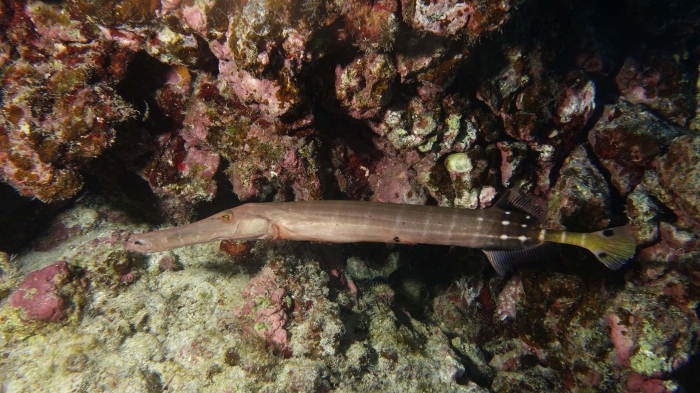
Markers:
(217, 227)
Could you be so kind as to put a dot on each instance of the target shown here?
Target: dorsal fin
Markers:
(503, 261)
(514, 199)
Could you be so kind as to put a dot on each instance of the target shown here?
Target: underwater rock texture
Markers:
(679, 172)
(266, 307)
(59, 102)
(55, 122)
(580, 200)
(627, 139)
(658, 83)
(365, 85)
(124, 116)
(37, 294)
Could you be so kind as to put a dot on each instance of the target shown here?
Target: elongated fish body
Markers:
(352, 221)
(508, 233)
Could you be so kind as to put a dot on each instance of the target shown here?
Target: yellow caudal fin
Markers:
(613, 246)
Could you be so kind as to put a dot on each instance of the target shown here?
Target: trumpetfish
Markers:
(510, 232)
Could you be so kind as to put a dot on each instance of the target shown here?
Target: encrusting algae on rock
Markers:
(120, 117)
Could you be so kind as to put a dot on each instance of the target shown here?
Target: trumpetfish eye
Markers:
(227, 217)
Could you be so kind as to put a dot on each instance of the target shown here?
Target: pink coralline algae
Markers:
(45, 18)
(577, 102)
(365, 85)
(395, 184)
(679, 175)
(38, 295)
(508, 299)
(620, 338)
(637, 383)
(658, 83)
(580, 200)
(266, 308)
(640, 331)
(56, 118)
(374, 25)
(450, 18)
(272, 97)
(627, 138)
(181, 173)
(674, 245)
(263, 52)
(512, 156)
(286, 306)
(53, 124)
(565, 321)
(266, 162)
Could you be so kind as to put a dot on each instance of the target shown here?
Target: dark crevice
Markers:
(618, 201)
(224, 199)
(145, 75)
(688, 376)
(22, 218)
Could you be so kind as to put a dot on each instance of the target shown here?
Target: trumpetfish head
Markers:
(222, 225)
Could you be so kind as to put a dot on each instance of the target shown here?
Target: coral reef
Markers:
(627, 139)
(658, 83)
(450, 18)
(55, 122)
(679, 171)
(266, 307)
(365, 85)
(37, 294)
(59, 102)
(640, 331)
(580, 200)
(121, 116)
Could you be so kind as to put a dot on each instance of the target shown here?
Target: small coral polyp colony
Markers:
(113, 113)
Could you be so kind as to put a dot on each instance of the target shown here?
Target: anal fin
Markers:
(503, 261)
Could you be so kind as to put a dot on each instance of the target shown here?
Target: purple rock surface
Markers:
(38, 294)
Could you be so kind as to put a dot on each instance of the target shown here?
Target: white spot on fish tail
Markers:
(528, 217)
(522, 238)
(505, 222)
(507, 213)
(563, 236)
(524, 226)
(480, 219)
(504, 237)
(542, 235)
